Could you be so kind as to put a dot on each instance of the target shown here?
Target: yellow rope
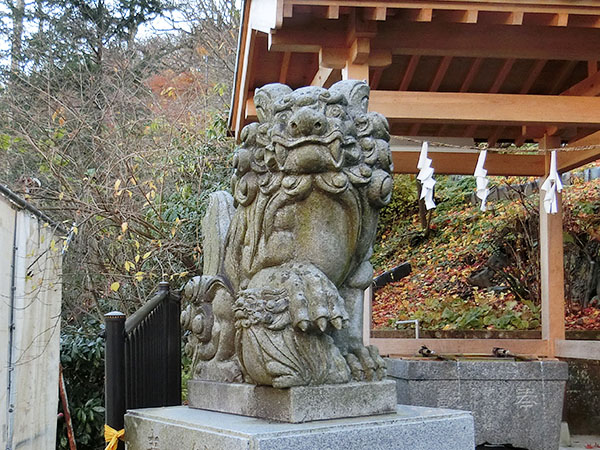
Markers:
(112, 436)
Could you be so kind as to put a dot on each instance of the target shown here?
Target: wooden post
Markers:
(367, 315)
(551, 266)
(355, 72)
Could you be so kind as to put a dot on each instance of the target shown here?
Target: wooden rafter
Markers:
(564, 73)
(323, 77)
(495, 88)
(409, 72)
(285, 65)
(588, 86)
(435, 84)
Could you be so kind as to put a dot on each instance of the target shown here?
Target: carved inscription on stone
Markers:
(526, 398)
(287, 255)
(153, 441)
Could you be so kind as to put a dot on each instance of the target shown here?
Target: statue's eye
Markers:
(282, 116)
(335, 111)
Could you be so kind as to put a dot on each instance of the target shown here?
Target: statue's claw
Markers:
(365, 363)
(314, 301)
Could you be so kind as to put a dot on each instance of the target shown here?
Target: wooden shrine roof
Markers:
(492, 70)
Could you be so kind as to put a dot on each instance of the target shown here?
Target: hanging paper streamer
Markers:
(426, 177)
(551, 186)
(481, 179)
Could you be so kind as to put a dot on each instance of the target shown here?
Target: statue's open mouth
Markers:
(309, 154)
(290, 143)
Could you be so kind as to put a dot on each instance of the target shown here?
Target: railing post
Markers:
(114, 370)
(173, 362)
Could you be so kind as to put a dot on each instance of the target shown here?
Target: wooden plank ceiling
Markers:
(495, 71)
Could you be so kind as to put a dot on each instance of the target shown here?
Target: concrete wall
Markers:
(30, 302)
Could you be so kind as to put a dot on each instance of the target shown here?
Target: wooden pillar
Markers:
(367, 315)
(551, 265)
(355, 72)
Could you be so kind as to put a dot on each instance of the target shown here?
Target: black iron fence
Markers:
(143, 357)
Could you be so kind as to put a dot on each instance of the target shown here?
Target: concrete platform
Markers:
(296, 404)
(409, 428)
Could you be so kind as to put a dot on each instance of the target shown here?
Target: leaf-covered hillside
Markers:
(480, 270)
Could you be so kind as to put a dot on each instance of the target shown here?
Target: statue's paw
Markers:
(365, 363)
(314, 302)
(222, 371)
(192, 290)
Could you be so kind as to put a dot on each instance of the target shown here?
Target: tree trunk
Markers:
(16, 50)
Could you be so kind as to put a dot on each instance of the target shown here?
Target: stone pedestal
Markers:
(296, 404)
(409, 428)
(513, 402)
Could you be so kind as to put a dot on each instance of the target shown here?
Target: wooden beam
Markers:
(564, 73)
(359, 50)
(493, 138)
(247, 61)
(551, 265)
(285, 65)
(492, 41)
(466, 84)
(530, 6)
(333, 12)
(515, 18)
(440, 73)
(367, 315)
(501, 76)
(499, 109)
(476, 109)
(406, 347)
(435, 84)
(377, 13)
(590, 139)
(577, 349)
(588, 86)
(420, 15)
(355, 72)
(533, 75)
(333, 58)
(379, 58)
(535, 72)
(410, 71)
(566, 161)
(322, 77)
(457, 162)
(374, 81)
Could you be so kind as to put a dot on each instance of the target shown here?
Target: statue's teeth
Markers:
(303, 325)
(322, 323)
(337, 323)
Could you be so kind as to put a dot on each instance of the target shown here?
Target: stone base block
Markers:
(297, 404)
(409, 428)
(513, 402)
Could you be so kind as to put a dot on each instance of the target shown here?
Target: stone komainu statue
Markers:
(286, 259)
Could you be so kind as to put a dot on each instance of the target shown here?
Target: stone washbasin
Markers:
(513, 402)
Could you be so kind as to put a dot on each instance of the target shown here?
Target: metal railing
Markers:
(143, 357)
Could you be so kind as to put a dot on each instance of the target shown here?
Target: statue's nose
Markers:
(307, 122)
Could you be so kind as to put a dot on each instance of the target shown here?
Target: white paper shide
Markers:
(481, 179)
(551, 187)
(425, 177)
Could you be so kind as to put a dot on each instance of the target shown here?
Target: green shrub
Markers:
(82, 359)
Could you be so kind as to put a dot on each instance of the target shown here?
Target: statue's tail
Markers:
(215, 225)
